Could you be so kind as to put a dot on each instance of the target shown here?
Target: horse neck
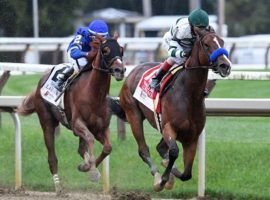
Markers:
(196, 78)
(99, 84)
(99, 81)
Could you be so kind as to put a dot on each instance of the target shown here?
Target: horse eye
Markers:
(206, 46)
(106, 51)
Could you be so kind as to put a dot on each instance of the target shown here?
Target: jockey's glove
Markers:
(186, 51)
(182, 54)
(179, 53)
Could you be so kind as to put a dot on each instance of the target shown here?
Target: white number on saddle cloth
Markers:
(143, 93)
(48, 90)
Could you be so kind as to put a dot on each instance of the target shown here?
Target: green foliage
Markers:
(247, 17)
(56, 18)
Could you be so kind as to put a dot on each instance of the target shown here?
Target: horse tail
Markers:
(27, 106)
(115, 108)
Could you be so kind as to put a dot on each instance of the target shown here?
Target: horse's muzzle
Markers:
(222, 66)
(118, 73)
(224, 70)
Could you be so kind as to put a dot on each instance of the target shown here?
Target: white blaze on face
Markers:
(119, 61)
(216, 41)
(225, 57)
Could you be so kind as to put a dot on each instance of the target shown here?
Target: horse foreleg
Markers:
(83, 151)
(169, 137)
(107, 147)
(162, 149)
(81, 130)
(189, 151)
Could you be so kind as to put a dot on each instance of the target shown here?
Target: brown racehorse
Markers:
(183, 109)
(86, 108)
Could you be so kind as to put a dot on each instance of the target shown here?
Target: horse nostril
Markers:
(225, 70)
(119, 70)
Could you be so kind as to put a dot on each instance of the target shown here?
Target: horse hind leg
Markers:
(49, 124)
(136, 124)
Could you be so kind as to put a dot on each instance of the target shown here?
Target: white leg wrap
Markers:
(56, 179)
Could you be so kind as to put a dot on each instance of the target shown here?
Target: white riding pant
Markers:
(77, 64)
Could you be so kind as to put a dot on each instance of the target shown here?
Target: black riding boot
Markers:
(62, 77)
(156, 80)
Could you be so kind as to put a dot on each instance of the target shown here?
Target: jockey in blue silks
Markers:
(178, 42)
(79, 49)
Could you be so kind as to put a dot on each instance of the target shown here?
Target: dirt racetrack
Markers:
(6, 194)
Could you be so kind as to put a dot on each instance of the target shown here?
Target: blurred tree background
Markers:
(56, 18)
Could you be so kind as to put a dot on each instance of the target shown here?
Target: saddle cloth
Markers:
(48, 90)
(149, 97)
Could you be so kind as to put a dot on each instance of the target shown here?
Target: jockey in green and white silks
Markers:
(178, 41)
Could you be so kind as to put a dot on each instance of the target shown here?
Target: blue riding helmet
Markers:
(99, 27)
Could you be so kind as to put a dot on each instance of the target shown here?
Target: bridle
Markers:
(104, 65)
(212, 59)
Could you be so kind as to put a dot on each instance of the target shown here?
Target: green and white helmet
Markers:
(198, 18)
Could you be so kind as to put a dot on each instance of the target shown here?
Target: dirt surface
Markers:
(34, 195)
(6, 194)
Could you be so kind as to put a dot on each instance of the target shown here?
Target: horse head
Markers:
(210, 51)
(109, 57)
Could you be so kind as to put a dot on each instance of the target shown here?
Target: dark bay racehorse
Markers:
(183, 108)
(86, 108)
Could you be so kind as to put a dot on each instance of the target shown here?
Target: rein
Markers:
(105, 67)
(212, 58)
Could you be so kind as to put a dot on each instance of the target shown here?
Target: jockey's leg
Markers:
(160, 73)
(76, 66)
(62, 77)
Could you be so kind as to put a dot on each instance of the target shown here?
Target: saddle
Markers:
(148, 96)
(50, 93)
(166, 82)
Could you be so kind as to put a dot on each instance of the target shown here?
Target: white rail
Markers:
(41, 68)
(256, 41)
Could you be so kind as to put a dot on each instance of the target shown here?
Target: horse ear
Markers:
(197, 31)
(115, 35)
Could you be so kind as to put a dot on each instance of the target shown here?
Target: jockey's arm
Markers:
(179, 32)
(175, 50)
(76, 53)
(76, 47)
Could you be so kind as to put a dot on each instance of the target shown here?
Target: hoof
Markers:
(170, 182)
(59, 190)
(157, 181)
(83, 167)
(94, 175)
